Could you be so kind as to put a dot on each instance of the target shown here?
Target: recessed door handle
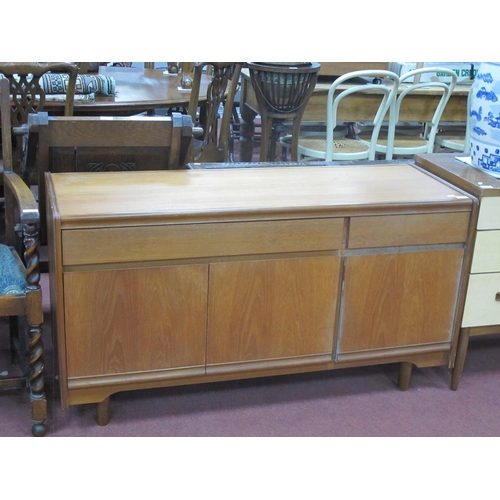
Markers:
(497, 297)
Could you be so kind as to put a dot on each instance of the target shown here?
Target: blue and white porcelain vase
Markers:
(485, 119)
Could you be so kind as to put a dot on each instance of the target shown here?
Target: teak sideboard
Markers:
(177, 277)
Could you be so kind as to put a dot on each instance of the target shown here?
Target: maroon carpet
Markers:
(349, 402)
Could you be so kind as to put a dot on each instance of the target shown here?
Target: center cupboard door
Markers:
(271, 313)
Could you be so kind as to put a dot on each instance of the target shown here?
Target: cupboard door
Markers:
(272, 309)
(400, 299)
(132, 320)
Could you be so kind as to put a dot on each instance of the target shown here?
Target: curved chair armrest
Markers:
(28, 207)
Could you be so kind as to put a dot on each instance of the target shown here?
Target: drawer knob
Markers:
(497, 297)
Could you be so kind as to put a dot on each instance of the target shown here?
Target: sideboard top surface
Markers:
(188, 193)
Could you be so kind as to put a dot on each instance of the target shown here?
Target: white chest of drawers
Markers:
(481, 315)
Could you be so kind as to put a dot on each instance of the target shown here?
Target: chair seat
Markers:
(400, 140)
(311, 130)
(450, 140)
(12, 279)
(342, 145)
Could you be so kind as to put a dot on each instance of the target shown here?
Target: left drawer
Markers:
(184, 241)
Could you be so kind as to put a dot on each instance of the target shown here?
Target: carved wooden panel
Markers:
(108, 159)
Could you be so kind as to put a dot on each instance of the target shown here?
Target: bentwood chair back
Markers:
(214, 146)
(409, 144)
(20, 291)
(455, 138)
(282, 92)
(327, 146)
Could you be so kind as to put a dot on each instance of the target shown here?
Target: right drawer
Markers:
(486, 257)
(413, 229)
(482, 306)
(489, 213)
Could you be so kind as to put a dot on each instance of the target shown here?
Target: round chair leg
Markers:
(38, 429)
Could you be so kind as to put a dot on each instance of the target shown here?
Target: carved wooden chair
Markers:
(97, 144)
(282, 93)
(221, 90)
(28, 95)
(20, 292)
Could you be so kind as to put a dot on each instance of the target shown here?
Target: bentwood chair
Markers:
(453, 137)
(20, 291)
(282, 92)
(214, 146)
(28, 84)
(407, 143)
(326, 146)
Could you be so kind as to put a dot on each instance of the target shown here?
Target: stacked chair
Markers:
(20, 291)
(282, 92)
(28, 95)
(326, 146)
(453, 137)
(410, 140)
(214, 144)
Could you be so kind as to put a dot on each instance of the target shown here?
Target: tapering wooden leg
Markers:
(463, 343)
(103, 412)
(404, 375)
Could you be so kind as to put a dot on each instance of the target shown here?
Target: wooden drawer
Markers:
(486, 257)
(401, 230)
(489, 213)
(481, 306)
(183, 241)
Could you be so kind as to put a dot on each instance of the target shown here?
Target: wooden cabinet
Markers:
(481, 315)
(178, 277)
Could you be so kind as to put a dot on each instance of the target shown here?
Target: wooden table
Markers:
(180, 277)
(417, 107)
(137, 90)
(482, 306)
